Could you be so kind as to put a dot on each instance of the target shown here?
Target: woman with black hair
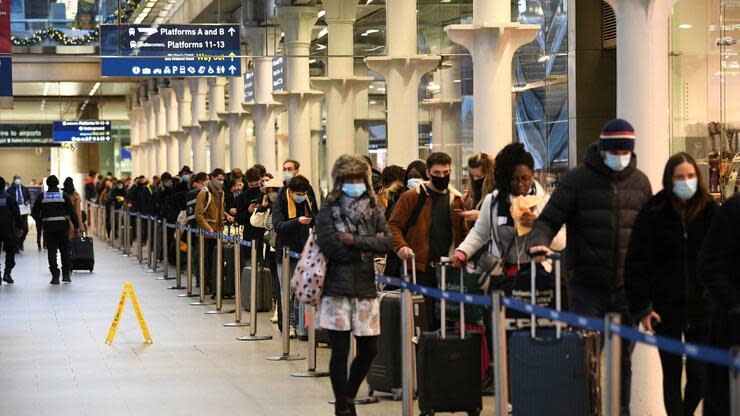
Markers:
(660, 276)
(415, 173)
(69, 189)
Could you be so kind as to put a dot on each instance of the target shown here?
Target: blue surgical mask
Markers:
(186, 178)
(685, 189)
(615, 162)
(287, 176)
(354, 190)
(299, 199)
(412, 183)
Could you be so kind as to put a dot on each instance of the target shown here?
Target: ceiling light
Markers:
(311, 61)
(369, 32)
(324, 32)
(146, 10)
(543, 58)
(163, 13)
(322, 13)
(685, 26)
(151, 3)
(94, 89)
(46, 89)
(457, 81)
(320, 47)
(373, 102)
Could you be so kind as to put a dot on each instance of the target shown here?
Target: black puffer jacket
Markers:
(351, 271)
(660, 271)
(599, 207)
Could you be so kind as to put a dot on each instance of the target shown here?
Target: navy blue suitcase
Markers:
(82, 253)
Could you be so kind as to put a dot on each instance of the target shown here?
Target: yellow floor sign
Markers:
(128, 291)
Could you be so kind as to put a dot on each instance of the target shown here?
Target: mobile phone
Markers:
(254, 201)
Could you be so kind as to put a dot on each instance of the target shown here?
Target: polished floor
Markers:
(54, 360)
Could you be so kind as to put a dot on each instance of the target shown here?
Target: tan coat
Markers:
(210, 218)
(77, 203)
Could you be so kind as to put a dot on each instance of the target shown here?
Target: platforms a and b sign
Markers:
(128, 291)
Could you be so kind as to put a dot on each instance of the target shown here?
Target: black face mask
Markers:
(477, 186)
(441, 183)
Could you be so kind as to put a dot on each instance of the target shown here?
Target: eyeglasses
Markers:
(521, 179)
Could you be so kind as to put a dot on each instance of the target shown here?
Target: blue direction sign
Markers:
(84, 131)
(173, 50)
(6, 76)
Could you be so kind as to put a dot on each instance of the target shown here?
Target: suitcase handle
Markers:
(555, 257)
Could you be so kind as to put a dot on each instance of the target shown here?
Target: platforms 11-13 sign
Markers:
(170, 50)
(82, 131)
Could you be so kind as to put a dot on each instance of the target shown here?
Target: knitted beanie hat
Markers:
(617, 134)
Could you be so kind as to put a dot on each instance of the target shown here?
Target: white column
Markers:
(213, 125)
(167, 95)
(236, 119)
(492, 39)
(146, 126)
(297, 23)
(198, 92)
(643, 95)
(184, 112)
(402, 67)
(153, 152)
(445, 108)
(341, 86)
(160, 127)
(264, 108)
(133, 117)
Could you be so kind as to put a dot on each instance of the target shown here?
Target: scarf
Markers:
(292, 207)
(351, 215)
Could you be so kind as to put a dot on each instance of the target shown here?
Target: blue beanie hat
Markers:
(617, 134)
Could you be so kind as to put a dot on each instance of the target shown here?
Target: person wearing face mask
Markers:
(599, 202)
(350, 231)
(415, 174)
(140, 201)
(115, 197)
(480, 169)
(247, 203)
(292, 217)
(391, 181)
(269, 189)
(23, 198)
(291, 169)
(166, 208)
(665, 295)
(209, 214)
(432, 202)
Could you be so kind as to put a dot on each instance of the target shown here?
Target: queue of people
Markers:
(661, 261)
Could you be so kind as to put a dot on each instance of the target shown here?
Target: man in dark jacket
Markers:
(9, 218)
(718, 272)
(599, 202)
(165, 207)
(55, 210)
(249, 201)
(23, 199)
(140, 197)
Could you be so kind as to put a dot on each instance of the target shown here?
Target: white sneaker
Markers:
(274, 318)
(293, 332)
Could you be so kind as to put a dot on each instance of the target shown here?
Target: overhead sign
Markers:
(82, 131)
(26, 135)
(172, 50)
(278, 74)
(6, 64)
(249, 86)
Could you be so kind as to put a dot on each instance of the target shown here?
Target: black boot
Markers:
(54, 277)
(66, 277)
(7, 279)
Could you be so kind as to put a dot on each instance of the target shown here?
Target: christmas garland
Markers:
(55, 34)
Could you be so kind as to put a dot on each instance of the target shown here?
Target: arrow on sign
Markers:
(232, 69)
(231, 31)
(232, 55)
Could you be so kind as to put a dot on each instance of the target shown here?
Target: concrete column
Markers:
(184, 112)
(145, 128)
(492, 39)
(402, 67)
(236, 119)
(264, 108)
(153, 153)
(213, 125)
(198, 92)
(133, 117)
(643, 95)
(444, 109)
(169, 101)
(341, 86)
(297, 23)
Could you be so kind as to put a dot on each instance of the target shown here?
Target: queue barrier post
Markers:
(237, 287)
(613, 365)
(253, 301)
(178, 260)
(407, 346)
(151, 245)
(311, 371)
(128, 234)
(165, 253)
(735, 381)
(219, 278)
(139, 248)
(285, 306)
(189, 266)
(201, 271)
(119, 230)
(112, 236)
(500, 358)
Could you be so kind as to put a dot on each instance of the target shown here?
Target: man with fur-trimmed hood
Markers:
(351, 231)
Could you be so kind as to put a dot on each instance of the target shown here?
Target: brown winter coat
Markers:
(417, 236)
(210, 217)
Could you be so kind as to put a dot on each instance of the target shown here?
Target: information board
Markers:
(173, 50)
(82, 131)
(26, 135)
(6, 63)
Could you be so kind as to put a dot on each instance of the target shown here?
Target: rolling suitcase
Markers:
(82, 253)
(448, 367)
(554, 372)
(227, 270)
(264, 288)
(385, 371)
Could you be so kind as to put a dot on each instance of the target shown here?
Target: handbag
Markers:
(258, 219)
(489, 265)
(309, 274)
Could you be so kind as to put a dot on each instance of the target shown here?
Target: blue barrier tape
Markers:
(132, 214)
(294, 255)
(245, 243)
(195, 231)
(173, 226)
(704, 353)
(117, 211)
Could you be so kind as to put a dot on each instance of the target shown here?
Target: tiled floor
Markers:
(54, 361)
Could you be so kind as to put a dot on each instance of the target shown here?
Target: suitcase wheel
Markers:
(475, 412)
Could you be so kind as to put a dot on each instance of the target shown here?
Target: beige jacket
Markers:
(209, 210)
(77, 203)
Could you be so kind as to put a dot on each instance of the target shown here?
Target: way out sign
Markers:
(128, 291)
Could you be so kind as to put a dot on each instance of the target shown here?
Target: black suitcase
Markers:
(264, 288)
(227, 270)
(554, 372)
(82, 253)
(448, 367)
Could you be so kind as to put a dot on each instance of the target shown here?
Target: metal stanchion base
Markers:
(221, 312)
(177, 288)
(148, 270)
(254, 338)
(366, 400)
(236, 324)
(165, 278)
(310, 373)
(187, 295)
(286, 357)
(204, 303)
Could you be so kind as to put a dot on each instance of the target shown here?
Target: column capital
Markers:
(261, 40)
(340, 11)
(297, 23)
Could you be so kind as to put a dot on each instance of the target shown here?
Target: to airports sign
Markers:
(82, 131)
(208, 50)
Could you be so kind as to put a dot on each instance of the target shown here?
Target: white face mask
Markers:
(287, 176)
(17, 182)
(616, 163)
(685, 189)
